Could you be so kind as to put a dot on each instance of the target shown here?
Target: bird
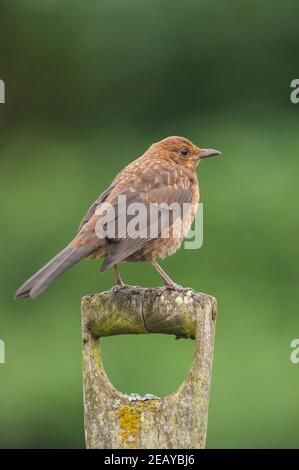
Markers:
(164, 175)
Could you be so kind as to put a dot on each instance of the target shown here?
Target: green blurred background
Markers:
(89, 86)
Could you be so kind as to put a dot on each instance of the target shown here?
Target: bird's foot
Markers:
(177, 287)
(121, 285)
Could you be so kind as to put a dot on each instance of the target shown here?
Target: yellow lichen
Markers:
(129, 422)
(153, 404)
(129, 416)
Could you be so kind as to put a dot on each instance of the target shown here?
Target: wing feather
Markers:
(153, 219)
(91, 211)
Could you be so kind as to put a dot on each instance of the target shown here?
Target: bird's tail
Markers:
(48, 273)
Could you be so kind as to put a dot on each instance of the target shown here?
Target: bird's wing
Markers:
(102, 198)
(153, 218)
(91, 211)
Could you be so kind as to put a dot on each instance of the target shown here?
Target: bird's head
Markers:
(182, 151)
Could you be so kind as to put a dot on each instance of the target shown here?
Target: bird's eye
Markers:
(184, 152)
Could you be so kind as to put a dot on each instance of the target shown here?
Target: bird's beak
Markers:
(205, 153)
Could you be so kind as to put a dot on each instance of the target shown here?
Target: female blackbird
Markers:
(165, 175)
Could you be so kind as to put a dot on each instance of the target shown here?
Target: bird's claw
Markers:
(177, 287)
(121, 286)
(118, 287)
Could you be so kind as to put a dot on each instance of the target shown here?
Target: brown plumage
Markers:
(164, 174)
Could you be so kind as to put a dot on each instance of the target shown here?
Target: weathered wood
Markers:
(114, 420)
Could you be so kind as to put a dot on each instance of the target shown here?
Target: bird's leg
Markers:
(119, 281)
(167, 281)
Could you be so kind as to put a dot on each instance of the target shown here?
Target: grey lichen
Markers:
(136, 397)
